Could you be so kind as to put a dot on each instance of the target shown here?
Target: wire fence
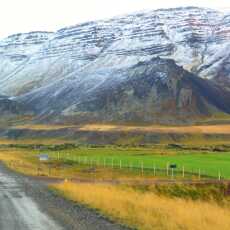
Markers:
(170, 170)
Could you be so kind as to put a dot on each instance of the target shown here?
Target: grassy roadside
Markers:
(147, 210)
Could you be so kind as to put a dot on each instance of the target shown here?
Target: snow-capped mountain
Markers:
(153, 91)
(58, 73)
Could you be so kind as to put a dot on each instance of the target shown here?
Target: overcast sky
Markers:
(49, 15)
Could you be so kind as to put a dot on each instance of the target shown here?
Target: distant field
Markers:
(42, 127)
(126, 161)
(207, 163)
(204, 129)
(107, 134)
(196, 129)
(35, 141)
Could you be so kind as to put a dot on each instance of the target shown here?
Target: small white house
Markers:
(43, 157)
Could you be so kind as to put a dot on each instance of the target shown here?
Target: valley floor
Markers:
(111, 134)
(193, 129)
(134, 197)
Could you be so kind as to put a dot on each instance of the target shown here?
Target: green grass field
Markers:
(207, 163)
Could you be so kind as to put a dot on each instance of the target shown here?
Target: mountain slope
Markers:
(10, 107)
(154, 91)
(196, 38)
(167, 65)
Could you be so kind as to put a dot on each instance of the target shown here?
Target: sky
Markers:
(19, 16)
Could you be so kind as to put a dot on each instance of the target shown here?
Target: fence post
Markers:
(120, 164)
(183, 172)
(167, 168)
(219, 176)
(199, 174)
(142, 168)
(172, 173)
(154, 170)
(130, 166)
(38, 170)
(49, 170)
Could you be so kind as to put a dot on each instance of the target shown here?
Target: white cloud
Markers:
(27, 15)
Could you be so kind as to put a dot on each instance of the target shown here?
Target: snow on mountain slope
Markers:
(153, 91)
(196, 38)
(55, 73)
(17, 49)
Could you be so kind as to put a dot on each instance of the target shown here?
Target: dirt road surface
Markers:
(27, 204)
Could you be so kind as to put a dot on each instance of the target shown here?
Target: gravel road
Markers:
(27, 204)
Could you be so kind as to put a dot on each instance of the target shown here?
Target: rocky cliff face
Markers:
(152, 91)
(62, 72)
(9, 108)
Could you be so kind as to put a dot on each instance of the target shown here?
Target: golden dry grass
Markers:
(10, 155)
(147, 211)
(39, 141)
(27, 163)
(18, 160)
(199, 129)
(42, 127)
(194, 129)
